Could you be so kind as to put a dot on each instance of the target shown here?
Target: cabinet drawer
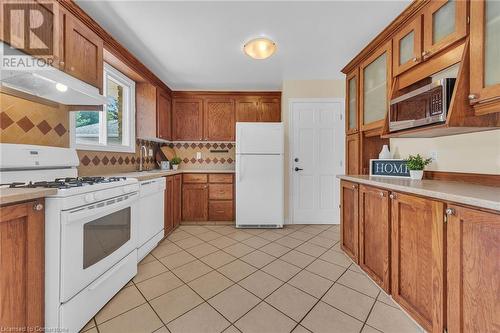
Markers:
(220, 192)
(220, 178)
(195, 178)
(220, 210)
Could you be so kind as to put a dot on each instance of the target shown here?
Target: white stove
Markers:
(90, 230)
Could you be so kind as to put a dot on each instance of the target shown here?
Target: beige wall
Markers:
(304, 89)
(474, 152)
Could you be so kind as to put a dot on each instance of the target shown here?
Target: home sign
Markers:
(389, 168)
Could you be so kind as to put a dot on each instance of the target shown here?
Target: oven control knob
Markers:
(89, 197)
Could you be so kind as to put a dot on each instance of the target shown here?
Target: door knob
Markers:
(298, 169)
(296, 159)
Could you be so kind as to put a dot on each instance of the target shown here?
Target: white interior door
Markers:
(317, 153)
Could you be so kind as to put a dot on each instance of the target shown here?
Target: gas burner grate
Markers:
(63, 183)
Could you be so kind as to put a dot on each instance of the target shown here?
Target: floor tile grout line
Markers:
(369, 313)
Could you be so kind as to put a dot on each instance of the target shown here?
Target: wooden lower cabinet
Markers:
(473, 261)
(418, 259)
(349, 219)
(208, 197)
(176, 200)
(374, 234)
(194, 202)
(169, 205)
(22, 266)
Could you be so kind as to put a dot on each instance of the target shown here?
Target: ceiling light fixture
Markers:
(259, 48)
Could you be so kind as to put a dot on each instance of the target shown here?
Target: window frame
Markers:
(128, 117)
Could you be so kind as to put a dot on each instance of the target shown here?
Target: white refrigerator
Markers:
(259, 175)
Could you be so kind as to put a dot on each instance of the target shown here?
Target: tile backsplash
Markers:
(25, 121)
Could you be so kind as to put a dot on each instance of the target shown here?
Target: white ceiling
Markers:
(198, 45)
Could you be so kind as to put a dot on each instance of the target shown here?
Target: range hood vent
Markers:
(45, 81)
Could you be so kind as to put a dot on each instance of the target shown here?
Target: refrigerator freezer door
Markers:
(259, 138)
(259, 191)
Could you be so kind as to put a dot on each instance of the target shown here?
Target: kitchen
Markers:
(239, 180)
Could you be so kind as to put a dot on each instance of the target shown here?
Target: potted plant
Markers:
(175, 162)
(416, 164)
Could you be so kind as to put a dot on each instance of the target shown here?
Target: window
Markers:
(112, 129)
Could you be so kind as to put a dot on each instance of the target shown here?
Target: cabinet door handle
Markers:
(382, 194)
(392, 196)
(415, 59)
(450, 211)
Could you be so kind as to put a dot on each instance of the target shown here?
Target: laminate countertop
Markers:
(459, 192)
(13, 195)
(156, 173)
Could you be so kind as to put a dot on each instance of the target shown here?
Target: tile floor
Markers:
(222, 279)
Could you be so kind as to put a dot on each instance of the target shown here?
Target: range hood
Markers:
(32, 76)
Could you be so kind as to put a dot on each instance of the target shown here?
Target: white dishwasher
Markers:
(151, 224)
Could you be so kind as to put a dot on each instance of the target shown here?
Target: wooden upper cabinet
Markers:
(194, 202)
(247, 109)
(485, 55)
(352, 161)
(22, 295)
(219, 122)
(349, 219)
(163, 115)
(417, 259)
(83, 52)
(352, 102)
(473, 241)
(445, 22)
(375, 81)
(374, 234)
(187, 119)
(45, 40)
(269, 110)
(407, 46)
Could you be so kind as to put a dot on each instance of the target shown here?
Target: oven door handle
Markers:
(98, 209)
(103, 278)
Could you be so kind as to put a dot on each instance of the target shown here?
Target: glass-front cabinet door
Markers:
(375, 79)
(352, 93)
(407, 46)
(485, 54)
(445, 22)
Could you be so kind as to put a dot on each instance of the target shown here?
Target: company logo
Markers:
(28, 27)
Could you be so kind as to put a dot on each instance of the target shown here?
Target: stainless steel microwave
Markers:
(423, 106)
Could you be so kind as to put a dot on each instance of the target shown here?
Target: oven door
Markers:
(94, 238)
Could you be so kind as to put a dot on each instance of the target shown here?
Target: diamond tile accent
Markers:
(60, 129)
(127, 160)
(193, 160)
(96, 160)
(230, 160)
(25, 124)
(44, 127)
(5, 120)
(193, 145)
(120, 160)
(113, 160)
(85, 160)
(223, 160)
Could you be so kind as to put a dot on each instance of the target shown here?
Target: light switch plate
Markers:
(198, 155)
(150, 152)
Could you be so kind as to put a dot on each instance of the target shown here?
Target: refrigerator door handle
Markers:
(240, 169)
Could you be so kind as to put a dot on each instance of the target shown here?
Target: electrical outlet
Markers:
(434, 156)
(150, 152)
(198, 155)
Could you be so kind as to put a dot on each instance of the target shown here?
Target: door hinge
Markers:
(445, 218)
(341, 163)
(445, 330)
(341, 116)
